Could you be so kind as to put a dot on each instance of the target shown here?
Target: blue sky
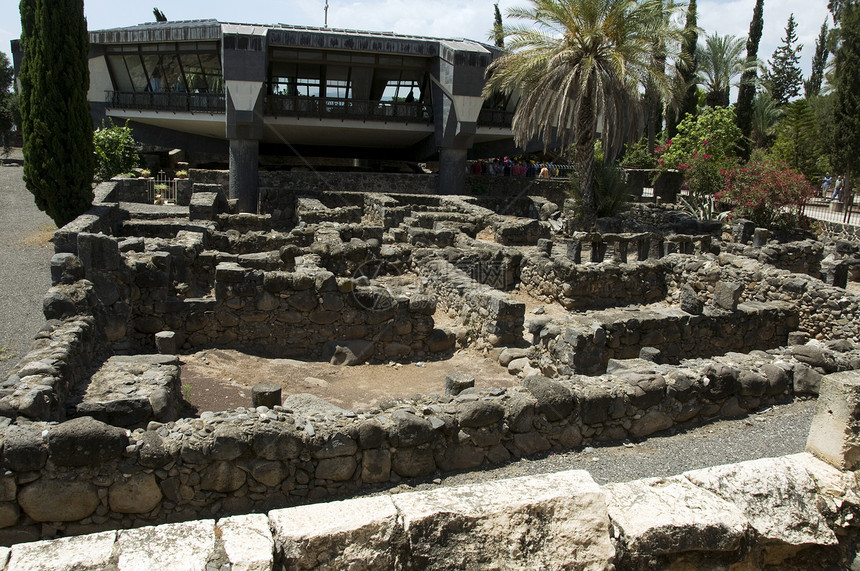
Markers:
(438, 18)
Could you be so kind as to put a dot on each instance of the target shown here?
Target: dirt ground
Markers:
(220, 379)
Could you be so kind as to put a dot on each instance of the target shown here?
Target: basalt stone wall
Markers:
(824, 311)
(82, 475)
(592, 286)
(490, 314)
(802, 257)
(584, 345)
(59, 360)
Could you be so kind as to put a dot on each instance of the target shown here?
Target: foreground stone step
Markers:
(795, 512)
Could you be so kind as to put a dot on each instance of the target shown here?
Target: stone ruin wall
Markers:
(84, 475)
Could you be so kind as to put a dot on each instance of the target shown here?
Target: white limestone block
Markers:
(838, 490)
(534, 522)
(248, 542)
(778, 497)
(350, 534)
(671, 516)
(78, 553)
(835, 433)
(185, 546)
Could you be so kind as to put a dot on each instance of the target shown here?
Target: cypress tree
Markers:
(498, 30)
(812, 86)
(687, 68)
(746, 92)
(847, 109)
(784, 77)
(55, 115)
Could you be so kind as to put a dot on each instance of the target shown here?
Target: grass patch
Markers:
(5, 353)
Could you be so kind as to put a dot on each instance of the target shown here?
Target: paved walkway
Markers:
(25, 260)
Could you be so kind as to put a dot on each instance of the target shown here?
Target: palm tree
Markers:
(721, 60)
(765, 119)
(579, 69)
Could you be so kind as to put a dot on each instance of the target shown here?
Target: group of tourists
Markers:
(837, 187)
(507, 167)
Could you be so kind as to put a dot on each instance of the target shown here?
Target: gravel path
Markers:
(775, 431)
(25, 265)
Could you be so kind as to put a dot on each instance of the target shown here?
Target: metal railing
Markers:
(839, 212)
(162, 189)
(340, 108)
(167, 101)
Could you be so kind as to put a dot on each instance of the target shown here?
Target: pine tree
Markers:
(784, 77)
(498, 30)
(687, 68)
(812, 86)
(159, 15)
(797, 139)
(55, 114)
(847, 109)
(747, 89)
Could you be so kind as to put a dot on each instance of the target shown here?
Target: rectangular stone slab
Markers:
(833, 436)
(349, 534)
(247, 541)
(78, 553)
(185, 546)
(662, 516)
(533, 522)
(777, 495)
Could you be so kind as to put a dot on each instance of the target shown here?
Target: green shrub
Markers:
(115, 150)
(610, 192)
(636, 156)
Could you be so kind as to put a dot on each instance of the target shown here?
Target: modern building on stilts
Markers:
(243, 90)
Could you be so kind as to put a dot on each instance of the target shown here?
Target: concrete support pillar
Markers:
(452, 171)
(244, 183)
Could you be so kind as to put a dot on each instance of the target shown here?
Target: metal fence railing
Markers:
(162, 189)
(838, 212)
(345, 108)
(167, 101)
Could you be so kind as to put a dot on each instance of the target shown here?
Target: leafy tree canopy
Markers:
(713, 133)
(784, 77)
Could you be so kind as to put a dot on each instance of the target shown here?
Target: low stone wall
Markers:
(489, 314)
(83, 475)
(794, 511)
(802, 257)
(592, 286)
(585, 344)
(822, 309)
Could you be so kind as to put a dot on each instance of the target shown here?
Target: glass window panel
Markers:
(135, 70)
(120, 73)
(337, 88)
(172, 73)
(153, 69)
(195, 75)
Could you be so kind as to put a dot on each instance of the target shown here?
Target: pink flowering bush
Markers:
(767, 192)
